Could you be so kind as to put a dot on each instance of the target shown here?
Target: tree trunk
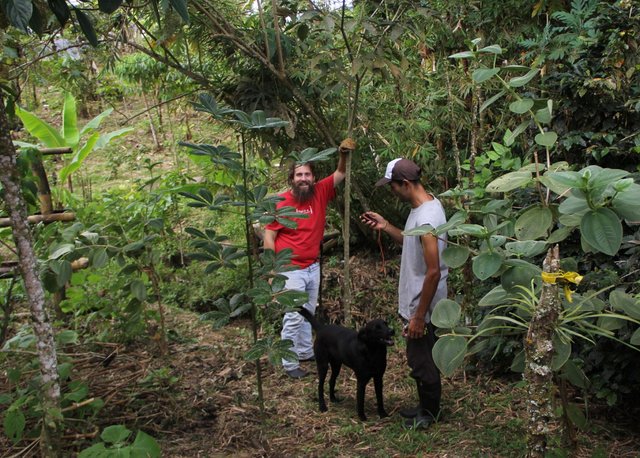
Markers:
(538, 348)
(10, 178)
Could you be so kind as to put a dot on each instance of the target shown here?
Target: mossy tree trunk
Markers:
(27, 262)
(538, 348)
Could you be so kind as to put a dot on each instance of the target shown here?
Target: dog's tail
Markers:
(309, 317)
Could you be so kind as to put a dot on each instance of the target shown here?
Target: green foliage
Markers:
(115, 443)
(22, 404)
(590, 201)
(266, 294)
(69, 134)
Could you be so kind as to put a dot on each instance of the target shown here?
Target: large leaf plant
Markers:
(82, 140)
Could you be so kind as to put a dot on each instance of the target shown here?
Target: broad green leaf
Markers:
(496, 296)
(69, 129)
(109, 6)
(27, 145)
(68, 336)
(491, 100)
(87, 27)
(474, 230)
(635, 338)
(145, 446)
(573, 206)
(493, 49)
(543, 116)
(420, 230)
(105, 139)
(576, 416)
(526, 248)
(516, 68)
(139, 290)
(510, 137)
(261, 348)
(98, 450)
(456, 219)
(533, 223)
(509, 182)
(64, 273)
(18, 12)
(561, 182)
(610, 323)
(627, 203)
(486, 264)
(547, 139)
(625, 302)
(312, 155)
(562, 351)
(258, 118)
(600, 179)
(517, 365)
(40, 129)
(584, 244)
(36, 23)
(455, 256)
(79, 157)
(559, 235)
(521, 106)
(61, 250)
(115, 434)
(519, 275)
(448, 353)
(602, 230)
(14, 423)
(77, 391)
(61, 10)
(574, 374)
(446, 314)
(520, 81)
(481, 75)
(461, 55)
(99, 258)
(181, 8)
(95, 122)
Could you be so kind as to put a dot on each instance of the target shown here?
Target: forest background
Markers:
(164, 128)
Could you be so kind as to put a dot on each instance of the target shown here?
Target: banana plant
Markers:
(82, 141)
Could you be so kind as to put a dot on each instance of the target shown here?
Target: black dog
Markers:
(364, 351)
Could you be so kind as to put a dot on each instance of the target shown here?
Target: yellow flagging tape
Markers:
(563, 278)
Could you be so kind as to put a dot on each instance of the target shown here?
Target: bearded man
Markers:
(311, 198)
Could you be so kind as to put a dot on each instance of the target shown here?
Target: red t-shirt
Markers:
(306, 238)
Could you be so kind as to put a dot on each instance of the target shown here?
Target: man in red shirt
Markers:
(309, 197)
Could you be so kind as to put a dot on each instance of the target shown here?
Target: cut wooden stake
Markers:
(34, 219)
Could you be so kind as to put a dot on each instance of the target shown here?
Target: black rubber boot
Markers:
(429, 411)
(410, 412)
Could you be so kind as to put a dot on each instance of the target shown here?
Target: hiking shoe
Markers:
(410, 412)
(297, 373)
(419, 422)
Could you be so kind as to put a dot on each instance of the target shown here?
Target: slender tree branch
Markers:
(198, 78)
(264, 27)
(152, 107)
(276, 31)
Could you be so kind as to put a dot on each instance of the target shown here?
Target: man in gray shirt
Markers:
(423, 282)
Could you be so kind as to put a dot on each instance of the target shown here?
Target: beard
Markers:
(303, 195)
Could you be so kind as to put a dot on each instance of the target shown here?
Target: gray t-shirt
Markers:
(413, 269)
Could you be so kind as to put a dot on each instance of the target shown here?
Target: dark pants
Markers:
(425, 371)
(420, 358)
